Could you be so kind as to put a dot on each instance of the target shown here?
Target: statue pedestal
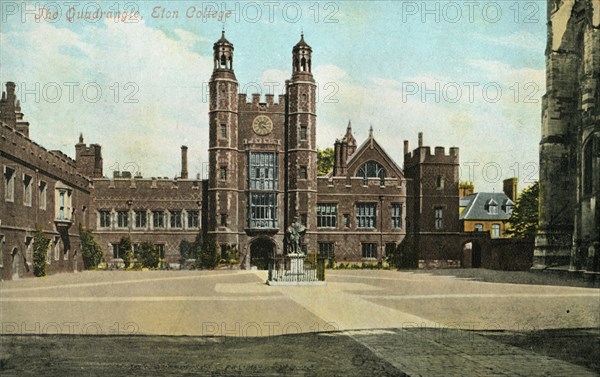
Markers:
(292, 271)
(296, 264)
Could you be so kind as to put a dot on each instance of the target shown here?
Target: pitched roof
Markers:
(371, 143)
(478, 205)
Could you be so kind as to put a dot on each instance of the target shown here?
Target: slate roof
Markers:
(477, 206)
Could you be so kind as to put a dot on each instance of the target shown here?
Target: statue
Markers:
(295, 233)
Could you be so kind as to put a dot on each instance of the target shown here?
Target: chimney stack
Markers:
(511, 188)
(184, 162)
(420, 139)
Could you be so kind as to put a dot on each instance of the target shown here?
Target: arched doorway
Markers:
(15, 263)
(261, 253)
(471, 254)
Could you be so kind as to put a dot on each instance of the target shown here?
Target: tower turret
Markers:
(223, 145)
(301, 149)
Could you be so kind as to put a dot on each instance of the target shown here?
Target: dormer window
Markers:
(492, 207)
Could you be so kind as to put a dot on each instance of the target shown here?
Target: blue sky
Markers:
(467, 74)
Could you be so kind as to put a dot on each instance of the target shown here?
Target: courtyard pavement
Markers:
(418, 324)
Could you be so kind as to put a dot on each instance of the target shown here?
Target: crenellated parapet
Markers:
(17, 146)
(253, 103)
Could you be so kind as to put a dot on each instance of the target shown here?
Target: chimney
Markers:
(406, 147)
(184, 162)
(511, 188)
(420, 139)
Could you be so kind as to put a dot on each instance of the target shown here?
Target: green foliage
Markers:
(523, 222)
(125, 251)
(40, 248)
(325, 161)
(148, 255)
(232, 256)
(90, 250)
(205, 251)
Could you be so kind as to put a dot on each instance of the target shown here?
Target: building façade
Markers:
(569, 227)
(263, 177)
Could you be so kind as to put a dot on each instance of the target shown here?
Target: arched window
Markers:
(371, 169)
(588, 167)
(303, 65)
(223, 61)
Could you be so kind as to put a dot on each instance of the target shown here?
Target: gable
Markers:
(370, 150)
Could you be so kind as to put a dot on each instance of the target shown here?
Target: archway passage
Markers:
(262, 251)
(475, 255)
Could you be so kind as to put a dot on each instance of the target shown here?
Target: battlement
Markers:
(56, 163)
(422, 154)
(134, 184)
(253, 102)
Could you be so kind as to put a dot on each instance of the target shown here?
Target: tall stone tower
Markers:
(89, 159)
(223, 145)
(301, 143)
(433, 180)
(568, 226)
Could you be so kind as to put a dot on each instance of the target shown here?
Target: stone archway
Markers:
(15, 264)
(262, 251)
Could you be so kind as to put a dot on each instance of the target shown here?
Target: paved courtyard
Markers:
(396, 322)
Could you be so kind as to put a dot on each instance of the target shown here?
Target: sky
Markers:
(468, 74)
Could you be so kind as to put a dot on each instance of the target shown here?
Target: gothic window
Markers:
(223, 219)
(326, 215)
(62, 200)
(140, 219)
(223, 131)
(366, 215)
(588, 163)
(303, 173)
(122, 219)
(27, 188)
(104, 217)
(42, 195)
(369, 250)
(326, 249)
(9, 184)
(263, 171)
(439, 218)
(303, 132)
(263, 210)
(193, 219)
(263, 183)
(371, 169)
(223, 173)
(396, 215)
(439, 182)
(176, 219)
(158, 219)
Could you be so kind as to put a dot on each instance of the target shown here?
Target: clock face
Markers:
(262, 125)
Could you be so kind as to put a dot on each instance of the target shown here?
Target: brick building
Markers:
(42, 190)
(569, 228)
(262, 176)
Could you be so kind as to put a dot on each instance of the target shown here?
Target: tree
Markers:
(40, 248)
(405, 256)
(206, 252)
(91, 252)
(325, 159)
(149, 255)
(125, 251)
(523, 222)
